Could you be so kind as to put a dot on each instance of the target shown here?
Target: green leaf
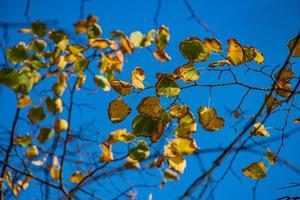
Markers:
(140, 152)
(102, 82)
(94, 32)
(193, 50)
(37, 45)
(39, 28)
(167, 86)
(36, 114)
(187, 73)
(120, 135)
(9, 77)
(54, 105)
(45, 134)
(17, 54)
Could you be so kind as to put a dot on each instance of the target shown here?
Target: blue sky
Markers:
(266, 24)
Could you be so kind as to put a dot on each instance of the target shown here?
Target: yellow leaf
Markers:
(32, 152)
(76, 177)
(258, 58)
(121, 87)
(186, 125)
(180, 146)
(24, 101)
(107, 154)
(161, 55)
(235, 53)
(271, 102)
(167, 86)
(54, 105)
(137, 78)
(100, 43)
(212, 44)
(102, 82)
(55, 169)
(260, 130)
(120, 135)
(283, 89)
(177, 163)
(219, 63)
(150, 107)
(187, 73)
(126, 45)
(209, 119)
(171, 175)
(132, 164)
(271, 157)
(256, 170)
(178, 111)
(23, 140)
(39, 162)
(60, 125)
(118, 110)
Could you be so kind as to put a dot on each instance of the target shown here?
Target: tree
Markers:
(49, 145)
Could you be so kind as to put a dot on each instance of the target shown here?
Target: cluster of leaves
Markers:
(37, 61)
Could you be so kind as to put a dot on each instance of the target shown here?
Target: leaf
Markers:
(36, 114)
(120, 135)
(39, 162)
(167, 86)
(24, 101)
(271, 103)
(177, 163)
(256, 170)
(283, 89)
(54, 105)
(60, 38)
(60, 125)
(122, 87)
(150, 107)
(235, 53)
(140, 152)
(76, 177)
(212, 44)
(187, 73)
(23, 140)
(171, 175)
(132, 164)
(75, 48)
(118, 110)
(161, 56)
(58, 89)
(260, 130)
(45, 134)
(32, 152)
(193, 49)
(271, 157)
(17, 54)
(286, 74)
(258, 58)
(9, 77)
(107, 154)
(137, 78)
(100, 43)
(178, 111)
(219, 63)
(38, 28)
(209, 119)
(296, 121)
(54, 173)
(126, 45)
(186, 125)
(102, 82)
(162, 38)
(37, 45)
(139, 40)
(291, 44)
(180, 146)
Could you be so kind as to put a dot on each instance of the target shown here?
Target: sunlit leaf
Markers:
(132, 164)
(137, 78)
(36, 114)
(167, 86)
(120, 135)
(271, 157)
(24, 101)
(286, 74)
(259, 130)
(37, 45)
(256, 170)
(283, 89)
(180, 146)
(140, 152)
(100, 43)
(171, 175)
(39, 162)
(107, 154)
(58, 89)
(118, 110)
(178, 111)
(38, 28)
(9, 77)
(122, 87)
(32, 152)
(162, 38)
(17, 54)
(23, 140)
(297, 47)
(186, 125)
(75, 48)
(187, 73)
(219, 63)
(45, 134)
(235, 53)
(212, 44)
(258, 58)
(54, 105)
(139, 40)
(161, 55)
(177, 163)
(76, 177)
(193, 49)
(60, 38)
(60, 125)
(126, 45)
(102, 82)
(209, 119)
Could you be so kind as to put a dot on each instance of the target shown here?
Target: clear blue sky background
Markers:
(265, 24)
